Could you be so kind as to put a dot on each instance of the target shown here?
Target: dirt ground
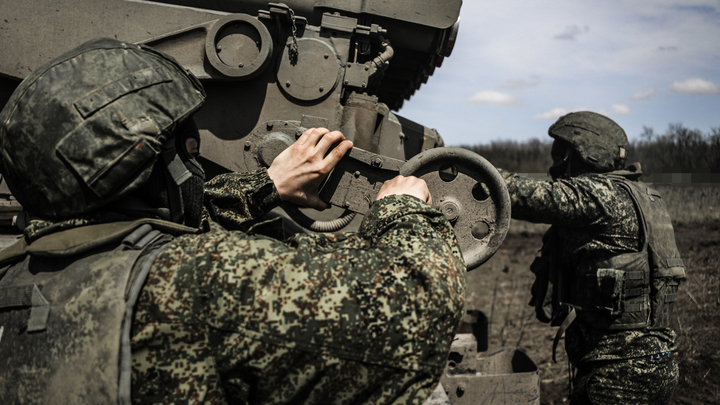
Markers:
(501, 289)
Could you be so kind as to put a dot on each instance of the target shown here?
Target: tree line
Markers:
(677, 150)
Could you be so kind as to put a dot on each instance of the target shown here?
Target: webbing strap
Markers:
(141, 237)
(670, 298)
(125, 373)
(634, 307)
(135, 236)
(27, 295)
(675, 262)
(176, 174)
(176, 167)
(634, 275)
(561, 330)
(636, 292)
(114, 90)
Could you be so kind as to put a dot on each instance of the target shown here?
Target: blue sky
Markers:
(519, 65)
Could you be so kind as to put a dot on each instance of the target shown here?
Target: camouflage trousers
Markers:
(644, 380)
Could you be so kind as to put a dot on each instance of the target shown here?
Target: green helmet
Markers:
(86, 128)
(600, 142)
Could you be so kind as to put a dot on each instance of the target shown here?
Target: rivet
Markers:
(327, 56)
(451, 210)
(287, 84)
(356, 174)
(241, 65)
(322, 89)
(248, 144)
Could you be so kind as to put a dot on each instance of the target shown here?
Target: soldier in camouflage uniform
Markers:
(609, 267)
(131, 284)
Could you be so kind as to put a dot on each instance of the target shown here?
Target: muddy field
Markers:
(501, 288)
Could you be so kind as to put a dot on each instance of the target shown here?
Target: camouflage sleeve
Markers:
(234, 200)
(406, 283)
(387, 214)
(576, 202)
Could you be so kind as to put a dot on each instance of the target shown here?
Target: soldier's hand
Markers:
(406, 185)
(300, 169)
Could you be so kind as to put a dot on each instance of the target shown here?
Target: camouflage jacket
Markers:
(232, 317)
(592, 218)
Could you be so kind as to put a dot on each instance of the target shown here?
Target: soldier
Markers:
(133, 284)
(609, 267)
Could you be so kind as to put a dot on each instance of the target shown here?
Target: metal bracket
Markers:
(358, 74)
(357, 179)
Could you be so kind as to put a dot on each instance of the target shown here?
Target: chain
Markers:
(293, 50)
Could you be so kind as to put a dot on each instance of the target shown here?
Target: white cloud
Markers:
(520, 83)
(620, 109)
(647, 39)
(616, 109)
(493, 97)
(556, 113)
(630, 56)
(571, 32)
(696, 86)
(644, 95)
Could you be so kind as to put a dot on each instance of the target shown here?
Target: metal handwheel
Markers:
(472, 195)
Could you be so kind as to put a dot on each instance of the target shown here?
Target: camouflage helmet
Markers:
(86, 128)
(600, 141)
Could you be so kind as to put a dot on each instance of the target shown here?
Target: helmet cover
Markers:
(85, 129)
(601, 143)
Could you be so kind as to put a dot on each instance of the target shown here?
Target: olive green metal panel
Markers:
(33, 32)
(431, 13)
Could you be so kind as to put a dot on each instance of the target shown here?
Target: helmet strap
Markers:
(176, 175)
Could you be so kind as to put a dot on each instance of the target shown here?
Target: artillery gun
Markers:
(270, 71)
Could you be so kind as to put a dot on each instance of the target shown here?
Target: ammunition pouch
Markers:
(665, 283)
(614, 293)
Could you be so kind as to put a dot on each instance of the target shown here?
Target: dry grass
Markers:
(697, 314)
(691, 205)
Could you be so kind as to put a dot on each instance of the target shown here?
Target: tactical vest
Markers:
(66, 311)
(632, 290)
(623, 292)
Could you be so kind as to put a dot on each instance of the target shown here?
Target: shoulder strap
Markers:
(125, 380)
(569, 318)
(632, 188)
